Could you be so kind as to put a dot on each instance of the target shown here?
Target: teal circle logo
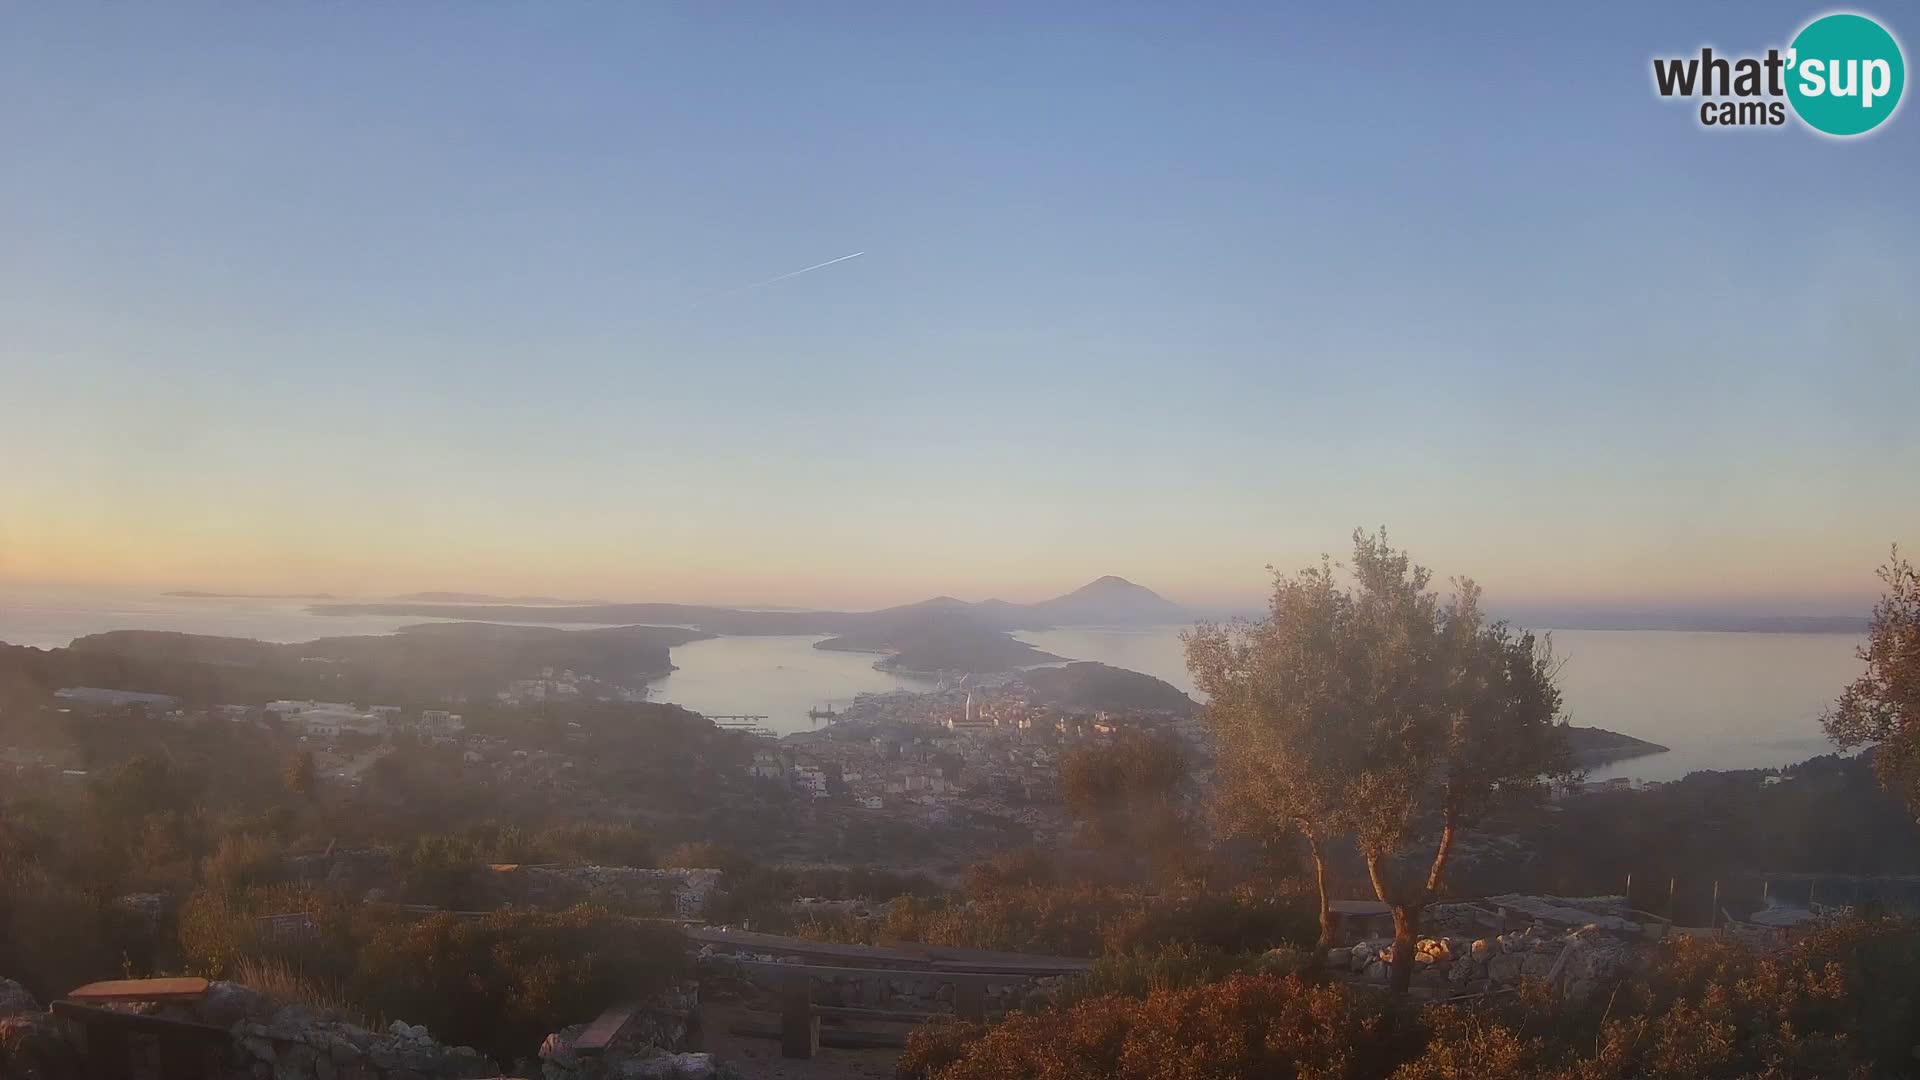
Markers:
(1845, 74)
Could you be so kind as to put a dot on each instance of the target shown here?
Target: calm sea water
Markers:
(780, 678)
(1720, 700)
(50, 616)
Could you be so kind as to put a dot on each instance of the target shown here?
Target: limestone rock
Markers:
(228, 1003)
(672, 1067)
(15, 999)
(34, 1047)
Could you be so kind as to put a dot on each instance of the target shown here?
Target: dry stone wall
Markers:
(1576, 963)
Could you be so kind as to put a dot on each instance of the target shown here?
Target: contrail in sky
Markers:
(803, 270)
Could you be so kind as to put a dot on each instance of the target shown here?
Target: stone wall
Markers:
(1593, 957)
(295, 1042)
(32, 1045)
(724, 977)
(270, 1042)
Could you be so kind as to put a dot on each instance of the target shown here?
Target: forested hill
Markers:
(940, 634)
(1087, 685)
(1106, 600)
(427, 664)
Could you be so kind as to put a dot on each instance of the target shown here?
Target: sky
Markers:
(367, 297)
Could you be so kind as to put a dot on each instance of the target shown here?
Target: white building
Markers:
(328, 719)
(441, 724)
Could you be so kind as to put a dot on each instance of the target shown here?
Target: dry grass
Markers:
(282, 982)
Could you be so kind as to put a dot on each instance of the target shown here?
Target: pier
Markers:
(743, 722)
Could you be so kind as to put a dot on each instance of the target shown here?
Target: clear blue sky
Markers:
(377, 296)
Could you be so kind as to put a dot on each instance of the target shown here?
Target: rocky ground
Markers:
(275, 1041)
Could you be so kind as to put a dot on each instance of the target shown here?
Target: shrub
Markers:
(1244, 1026)
(502, 982)
(1230, 923)
(1018, 868)
(1087, 920)
(242, 861)
(1138, 974)
(705, 855)
(1839, 1004)
(288, 984)
(53, 937)
(604, 844)
(445, 872)
(935, 1045)
(220, 930)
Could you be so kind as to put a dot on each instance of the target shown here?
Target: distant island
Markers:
(1593, 746)
(200, 594)
(938, 646)
(1693, 621)
(938, 635)
(475, 598)
(427, 664)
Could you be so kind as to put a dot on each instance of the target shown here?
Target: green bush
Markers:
(53, 937)
(1084, 920)
(445, 872)
(220, 930)
(503, 982)
(599, 843)
(1138, 974)
(241, 862)
(1843, 1003)
(1245, 1026)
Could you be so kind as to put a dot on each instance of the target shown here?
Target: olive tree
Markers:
(1276, 702)
(1373, 709)
(1881, 709)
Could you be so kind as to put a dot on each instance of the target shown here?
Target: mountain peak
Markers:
(1111, 599)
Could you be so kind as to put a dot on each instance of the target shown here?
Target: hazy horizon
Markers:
(1538, 615)
(518, 307)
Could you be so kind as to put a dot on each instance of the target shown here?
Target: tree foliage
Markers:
(299, 775)
(1841, 1003)
(1130, 791)
(1371, 708)
(1882, 707)
(502, 982)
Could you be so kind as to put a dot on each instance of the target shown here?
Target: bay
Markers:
(1718, 700)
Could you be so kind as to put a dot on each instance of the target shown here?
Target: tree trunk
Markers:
(1326, 905)
(1406, 935)
(1437, 873)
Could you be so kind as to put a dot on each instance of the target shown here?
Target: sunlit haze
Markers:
(380, 297)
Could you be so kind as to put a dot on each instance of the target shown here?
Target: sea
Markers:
(1718, 700)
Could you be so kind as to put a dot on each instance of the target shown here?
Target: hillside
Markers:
(1110, 600)
(939, 634)
(951, 641)
(1597, 746)
(433, 663)
(1086, 685)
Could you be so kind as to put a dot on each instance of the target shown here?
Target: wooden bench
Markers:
(186, 1050)
(122, 990)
